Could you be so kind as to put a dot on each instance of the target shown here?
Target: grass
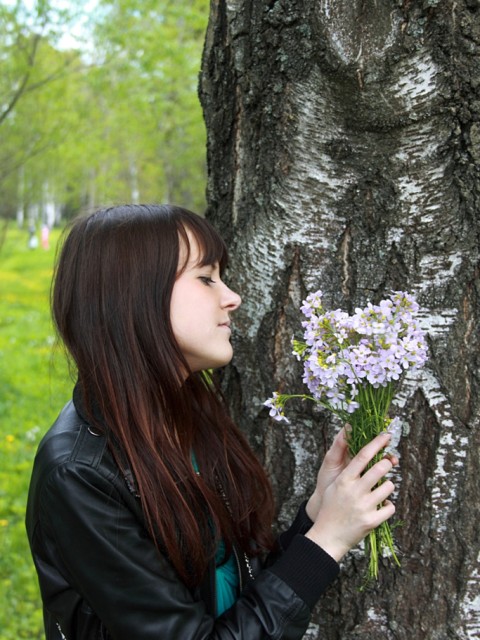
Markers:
(34, 385)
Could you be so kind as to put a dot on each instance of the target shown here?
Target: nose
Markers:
(230, 299)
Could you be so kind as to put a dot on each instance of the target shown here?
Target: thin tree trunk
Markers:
(343, 151)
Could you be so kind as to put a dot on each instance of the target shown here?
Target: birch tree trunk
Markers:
(343, 155)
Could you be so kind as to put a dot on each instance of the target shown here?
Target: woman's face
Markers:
(200, 311)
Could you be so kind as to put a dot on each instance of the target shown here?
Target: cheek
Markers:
(179, 326)
(177, 310)
(186, 311)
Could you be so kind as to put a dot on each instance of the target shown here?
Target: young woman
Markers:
(148, 516)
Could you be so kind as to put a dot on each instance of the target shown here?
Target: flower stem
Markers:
(368, 421)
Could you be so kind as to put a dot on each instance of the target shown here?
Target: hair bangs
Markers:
(211, 246)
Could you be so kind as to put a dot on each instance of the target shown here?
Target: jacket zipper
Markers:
(239, 568)
(246, 561)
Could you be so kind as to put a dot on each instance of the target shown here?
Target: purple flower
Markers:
(275, 405)
(342, 353)
(312, 304)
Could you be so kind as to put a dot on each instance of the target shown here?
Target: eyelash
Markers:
(207, 280)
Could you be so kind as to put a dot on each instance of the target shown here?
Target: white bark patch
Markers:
(417, 81)
(313, 632)
(314, 171)
(238, 175)
(437, 324)
(263, 262)
(450, 452)
(437, 270)
(379, 618)
(305, 453)
(418, 204)
(470, 606)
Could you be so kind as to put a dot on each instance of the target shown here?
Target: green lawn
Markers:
(34, 385)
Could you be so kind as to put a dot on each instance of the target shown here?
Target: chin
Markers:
(216, 363)
(220, 362)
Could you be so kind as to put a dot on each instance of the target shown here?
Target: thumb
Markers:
(336, 453)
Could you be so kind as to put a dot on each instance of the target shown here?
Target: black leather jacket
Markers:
(101, 577)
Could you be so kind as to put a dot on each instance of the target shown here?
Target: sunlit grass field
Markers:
(34, 385)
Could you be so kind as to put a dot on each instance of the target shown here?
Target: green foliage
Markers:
(115, 119)
(34, 385)
(35, 80)
(155, 135)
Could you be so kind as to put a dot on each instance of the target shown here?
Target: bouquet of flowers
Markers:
(353, 365)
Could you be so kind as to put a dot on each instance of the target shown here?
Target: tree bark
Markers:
(343, 155)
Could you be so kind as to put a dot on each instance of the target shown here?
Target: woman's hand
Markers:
(351, 504)
(335, 461)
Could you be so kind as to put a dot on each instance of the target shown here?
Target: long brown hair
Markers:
(111, 306)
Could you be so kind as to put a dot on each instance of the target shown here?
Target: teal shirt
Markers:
(226, 580)
(226, 573)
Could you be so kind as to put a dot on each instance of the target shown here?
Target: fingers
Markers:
(340, 440)
(393, 458)
(382, 492)
(379, 509)
(336, 457)
(366, 455)
(339, 446)
(376, 473)
(335, 461)
(383, 513)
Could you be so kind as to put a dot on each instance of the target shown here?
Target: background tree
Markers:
(343, 150)
(153, 140)
(34, 80)
(111, 115)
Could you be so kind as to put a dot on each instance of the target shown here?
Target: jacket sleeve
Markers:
(301, 524)
(109, 559)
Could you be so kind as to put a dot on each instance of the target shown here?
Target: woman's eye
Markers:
(207, 280)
